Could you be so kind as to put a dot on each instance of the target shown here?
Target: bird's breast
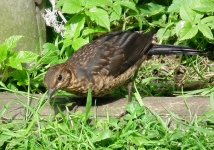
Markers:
(100, 84)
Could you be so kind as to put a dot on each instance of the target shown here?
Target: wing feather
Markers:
(112, 54)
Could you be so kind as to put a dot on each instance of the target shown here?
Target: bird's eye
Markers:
(59, 77)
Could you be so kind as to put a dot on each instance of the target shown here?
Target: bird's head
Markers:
(57, 77)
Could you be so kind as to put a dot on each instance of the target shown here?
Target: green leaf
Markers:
(129, 4)
(67, 42)
(209, 21)
(49, 47)
(205, 30)
(50, 58)
(88, 31)
(205, 9)
(116, 13)
(177, 135)
(100, 16)
(79, 42)
(94, 3)
(140, 20)
(105, 134)
(161, 22)
(20, 57)
(163, 34)
(26, 56)
(14, 63)
(21, 77)
(49, 55)
(189, 15)
(189, 31)
(76, 24)
(151, 9)
(179, 26)
(205, 6)
(138, 139)
(175, 6)
(135, 109)
(3, 52)
(72, 6)
(4, 139)
(12, 42)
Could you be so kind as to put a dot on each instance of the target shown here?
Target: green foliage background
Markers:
(184, 22)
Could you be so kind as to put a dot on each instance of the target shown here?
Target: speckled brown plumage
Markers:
(107, 63)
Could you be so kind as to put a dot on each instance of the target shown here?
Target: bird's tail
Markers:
(174, 50)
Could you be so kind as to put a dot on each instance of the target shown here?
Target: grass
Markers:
(139, 129)
(168, 75)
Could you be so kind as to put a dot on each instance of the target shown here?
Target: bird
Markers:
(107, 63)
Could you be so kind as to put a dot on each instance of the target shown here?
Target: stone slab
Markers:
(13, 106)
(23, 17)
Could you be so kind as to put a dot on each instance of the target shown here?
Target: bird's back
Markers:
(115, 52)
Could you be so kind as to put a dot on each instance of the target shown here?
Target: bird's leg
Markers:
(130, 90)
(130, 87)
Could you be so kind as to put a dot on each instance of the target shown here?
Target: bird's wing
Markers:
(112, 54)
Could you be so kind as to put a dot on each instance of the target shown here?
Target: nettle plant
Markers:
(24, 70)
(12, 61)
(187, 22)
(190, 21)
(87, 19)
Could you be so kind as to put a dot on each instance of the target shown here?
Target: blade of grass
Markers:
(88, 104)
(36, 113)
(137, 96)
(27, 114)
(212, 100)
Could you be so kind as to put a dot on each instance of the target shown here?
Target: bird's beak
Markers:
(51, 93)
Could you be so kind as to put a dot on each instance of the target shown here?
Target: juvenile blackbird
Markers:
(107, 63)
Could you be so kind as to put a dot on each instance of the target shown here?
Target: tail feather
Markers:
(173, 50)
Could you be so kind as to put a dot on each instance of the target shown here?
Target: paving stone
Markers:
(13, 106)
